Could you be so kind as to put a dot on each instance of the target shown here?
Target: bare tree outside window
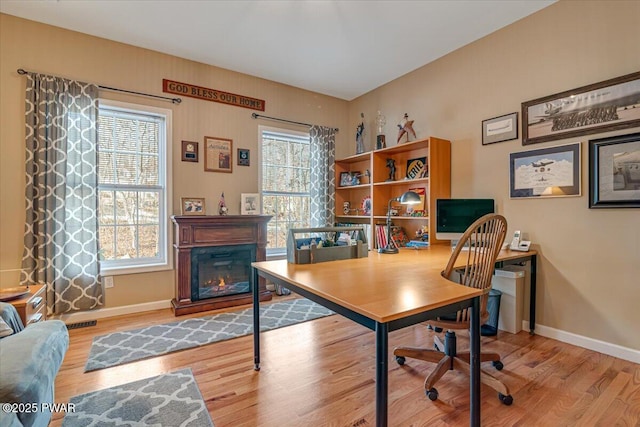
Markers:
(285, 184)
(131, 190)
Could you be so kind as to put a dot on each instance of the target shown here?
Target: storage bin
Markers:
(493, 307)
(510, 281)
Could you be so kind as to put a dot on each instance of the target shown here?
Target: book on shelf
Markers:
(398, 236)
(418, 206)
(417, 244)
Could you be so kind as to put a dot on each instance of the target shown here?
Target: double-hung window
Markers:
(284, 184)
(133, 188)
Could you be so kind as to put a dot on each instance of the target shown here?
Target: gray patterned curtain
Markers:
(61, 237)
(323, 153)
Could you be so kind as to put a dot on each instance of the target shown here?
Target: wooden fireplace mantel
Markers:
(215, 230)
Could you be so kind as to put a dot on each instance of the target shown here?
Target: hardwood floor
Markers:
(321, 373)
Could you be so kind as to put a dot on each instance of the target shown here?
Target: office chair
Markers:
(471, 264)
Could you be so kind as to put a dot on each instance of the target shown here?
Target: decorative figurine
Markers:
(222, 206)
(406, 126)
(360, 136)
(391, 164)
(380, 138)
(346, 208)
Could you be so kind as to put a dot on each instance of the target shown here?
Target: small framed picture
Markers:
(250, 204)
(614, 172)
(243, 157)
(546, 172)
(499, 129)
(218, 156)
(189, 151)
(192, 206)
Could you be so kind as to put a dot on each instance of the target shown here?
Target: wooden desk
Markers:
(384, 293)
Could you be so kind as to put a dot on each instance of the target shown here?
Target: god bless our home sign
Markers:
(213, 95)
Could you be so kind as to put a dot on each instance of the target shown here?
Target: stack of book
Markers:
(417, 244)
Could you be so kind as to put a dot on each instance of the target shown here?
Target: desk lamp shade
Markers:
(408, 198)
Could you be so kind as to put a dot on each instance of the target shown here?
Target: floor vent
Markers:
(82, 324)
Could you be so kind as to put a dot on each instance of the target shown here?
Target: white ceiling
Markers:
(338, 48)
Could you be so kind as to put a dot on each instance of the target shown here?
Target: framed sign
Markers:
(417, 168)
(547, 172)
(614, 172)
(605, 106)
(218, 156)
(189, 151)
(498, 129)
(243, 157)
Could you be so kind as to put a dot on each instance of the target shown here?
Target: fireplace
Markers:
(213, 261)
(217, 271)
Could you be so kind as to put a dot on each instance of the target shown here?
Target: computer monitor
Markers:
(454, 216)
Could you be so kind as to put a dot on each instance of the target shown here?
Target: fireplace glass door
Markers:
(221, 271)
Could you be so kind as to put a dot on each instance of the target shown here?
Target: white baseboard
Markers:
(585, 342)
(103, 313)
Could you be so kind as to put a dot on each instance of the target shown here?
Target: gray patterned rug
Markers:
(171, 399)
(128, 346)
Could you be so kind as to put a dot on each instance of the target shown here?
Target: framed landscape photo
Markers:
(218, 156)
(614, 172)
(546, 172)
(250, 204)
(605, 106)
(499, 129)
(192, 206)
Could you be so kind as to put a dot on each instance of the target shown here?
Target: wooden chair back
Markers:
(473, 259)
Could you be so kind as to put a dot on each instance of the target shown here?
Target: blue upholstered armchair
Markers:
(29, 361)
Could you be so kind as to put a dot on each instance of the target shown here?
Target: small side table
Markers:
(32, 307)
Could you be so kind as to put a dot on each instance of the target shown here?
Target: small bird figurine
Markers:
(406, 126)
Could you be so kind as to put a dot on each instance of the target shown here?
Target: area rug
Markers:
(128, 346)
(171, 399)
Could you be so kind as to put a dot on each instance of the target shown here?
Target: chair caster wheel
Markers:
(432, 394)
(400, 360)
(507, 400)
(498, 365)
(437, 329)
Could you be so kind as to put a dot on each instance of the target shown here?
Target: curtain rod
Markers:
(257, 116)
(166, 98)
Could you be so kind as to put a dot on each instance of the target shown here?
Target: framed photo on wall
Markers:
(614, 172)
(546, 172)
(218, 156)
(605, 106)
(499, 129)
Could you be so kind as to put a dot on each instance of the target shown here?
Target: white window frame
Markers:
(165, 259)
(272, 253)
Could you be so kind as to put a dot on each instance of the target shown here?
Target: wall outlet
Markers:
(108, 282)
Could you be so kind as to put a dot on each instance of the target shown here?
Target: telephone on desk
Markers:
(519, 245)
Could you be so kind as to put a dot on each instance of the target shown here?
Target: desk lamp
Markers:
(408, 198)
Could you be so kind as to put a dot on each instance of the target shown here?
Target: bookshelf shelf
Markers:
(436, 153)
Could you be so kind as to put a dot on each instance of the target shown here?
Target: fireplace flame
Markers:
(221, 282)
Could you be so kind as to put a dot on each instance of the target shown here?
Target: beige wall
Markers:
(46, 49)
(589, 274)
(590, 259)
